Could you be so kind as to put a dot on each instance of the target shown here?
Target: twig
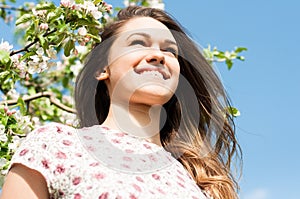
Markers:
(8, 7)
(47, 94)
(30, 44)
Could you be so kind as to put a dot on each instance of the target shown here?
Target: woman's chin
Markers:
(151, 95)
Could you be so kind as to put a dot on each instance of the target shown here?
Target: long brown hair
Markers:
(204, 141)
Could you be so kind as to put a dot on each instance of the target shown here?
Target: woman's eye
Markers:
(171, 50)
(138, 42)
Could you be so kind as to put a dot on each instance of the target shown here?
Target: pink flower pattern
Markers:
(72, 170)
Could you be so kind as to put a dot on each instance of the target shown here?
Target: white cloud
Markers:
(259, 193)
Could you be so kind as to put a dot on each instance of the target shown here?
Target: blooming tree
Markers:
(37, 80)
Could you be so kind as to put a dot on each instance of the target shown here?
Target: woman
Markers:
(153, 117)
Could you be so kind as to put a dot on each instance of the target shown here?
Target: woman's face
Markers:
(143, 66)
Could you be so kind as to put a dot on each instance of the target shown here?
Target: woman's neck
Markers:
(136, 119)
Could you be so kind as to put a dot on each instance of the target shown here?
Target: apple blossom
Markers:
(43, 26)
(5, 46)
(82, 31)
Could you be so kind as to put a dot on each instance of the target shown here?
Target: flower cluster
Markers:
(87, 6)
(40, 62)
(151, 3)
(12, 132)
(4, 45)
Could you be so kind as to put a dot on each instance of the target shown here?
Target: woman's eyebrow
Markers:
(168, 41)
(139, 34)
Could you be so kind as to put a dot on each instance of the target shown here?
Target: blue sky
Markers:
(265, 88)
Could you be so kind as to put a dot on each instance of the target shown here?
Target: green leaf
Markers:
(26, 55)
(60, 38)
(24, 18)
(79, 1)
(229, 63)
(240, 49)
(45, 6)
(52, 16)
(4, 74)
(42, 40)
(5, 58)
(68, 47)
(233, 111)
(65, 81)
(242, 58)
(97, 1)
(22, 105)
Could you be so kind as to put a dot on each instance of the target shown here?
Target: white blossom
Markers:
(126, 3)
(3, 136)
(82, 31)
(24, 122)
(39, 62)
(156, 4)
(66, 3)
(5, 46)
(13, 94)
(89, 6)
(36, 122)
(3, 161)
(52, 53)
(75, 68)
(81, 49)
(38, 12)
(97, 14)
(2, 128)
(16, 141)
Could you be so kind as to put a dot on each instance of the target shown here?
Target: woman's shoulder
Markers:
(52, 127)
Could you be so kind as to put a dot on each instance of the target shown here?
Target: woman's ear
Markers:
(102, 76)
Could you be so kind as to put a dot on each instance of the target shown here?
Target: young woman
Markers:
(153, 123)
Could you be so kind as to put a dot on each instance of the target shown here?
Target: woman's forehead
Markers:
(147, 26)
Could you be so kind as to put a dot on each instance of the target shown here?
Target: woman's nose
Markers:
(155, 57)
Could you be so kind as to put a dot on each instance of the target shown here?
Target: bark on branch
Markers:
(8, 7)
(47, 94)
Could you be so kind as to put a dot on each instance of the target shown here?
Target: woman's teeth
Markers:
(152, 73)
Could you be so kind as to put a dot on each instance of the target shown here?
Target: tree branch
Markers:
(30, 44)
(8, 7)
(47, 94)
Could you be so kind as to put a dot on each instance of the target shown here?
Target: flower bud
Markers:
(44, 26)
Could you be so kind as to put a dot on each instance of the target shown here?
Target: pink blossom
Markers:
(136, 187)
(77, 196)
(60, 169)
(23, 152)
(44, 26)
(67, 142)
(61, 155)
(99, 176)
(65, 3)
(139, 179)
(104, 195)
(155, 176)
(45, 164)
(76, 180)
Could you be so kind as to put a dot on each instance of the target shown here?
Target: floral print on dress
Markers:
(101, 163)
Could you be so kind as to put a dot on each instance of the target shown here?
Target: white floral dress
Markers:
(98, 162)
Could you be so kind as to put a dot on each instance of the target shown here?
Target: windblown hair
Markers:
(206, 145)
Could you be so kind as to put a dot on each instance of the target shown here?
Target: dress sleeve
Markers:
(42, 151)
